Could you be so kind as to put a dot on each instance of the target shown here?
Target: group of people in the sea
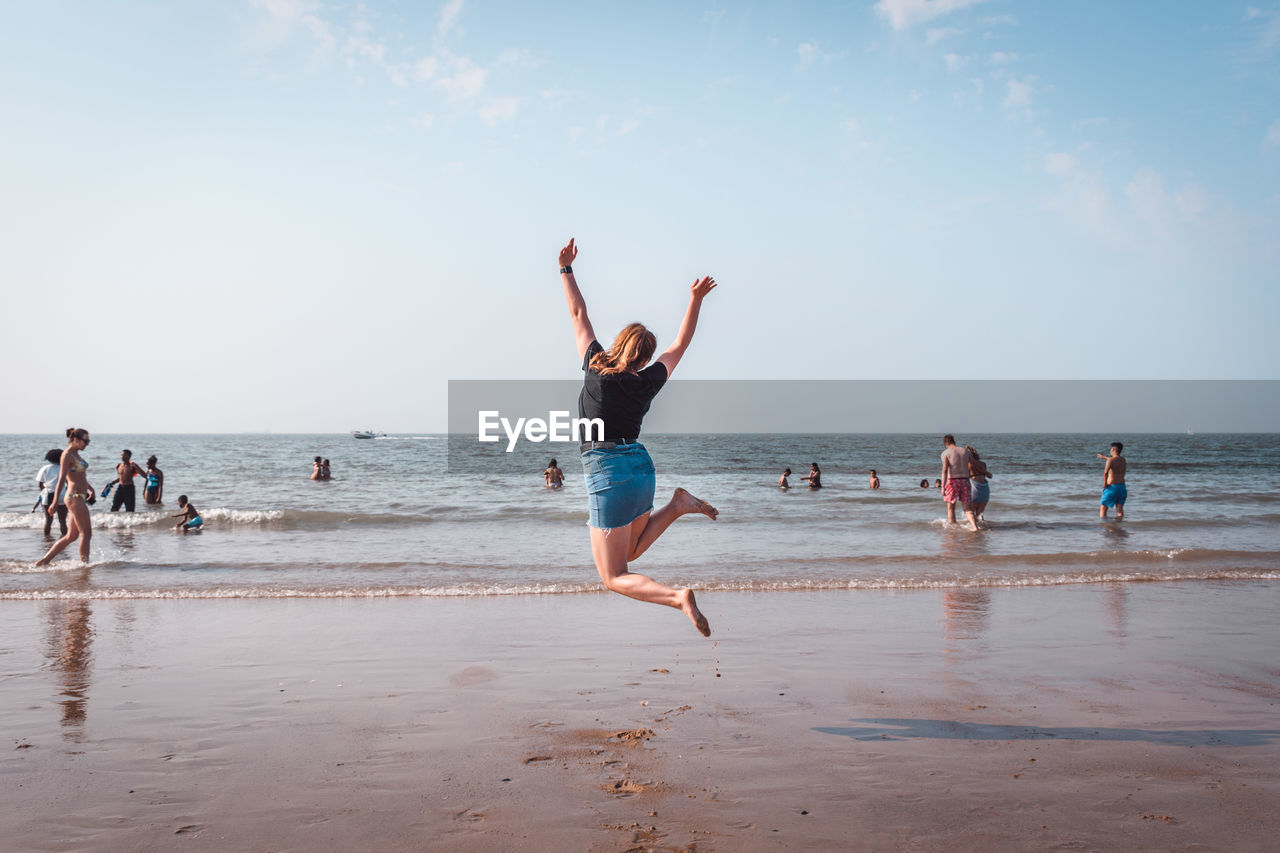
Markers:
(969, 488)
(320, 469)
(125, 492)
(619, 385)
(65, 493)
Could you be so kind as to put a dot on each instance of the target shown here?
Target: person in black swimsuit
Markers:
(814, 476)
(618, 388)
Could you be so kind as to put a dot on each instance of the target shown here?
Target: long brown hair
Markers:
(632, 348)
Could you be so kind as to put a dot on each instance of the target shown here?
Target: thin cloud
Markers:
(1273, 134)
(934, 35)
(448, 18)
(955, 61)
(497, 110)
(464, 80)
(284, 17)
(810, 52)
(1018, 95)
(906, 13)
(1083, 124)
(1059, 163)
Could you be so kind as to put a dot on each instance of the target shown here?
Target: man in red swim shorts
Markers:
(955, 480)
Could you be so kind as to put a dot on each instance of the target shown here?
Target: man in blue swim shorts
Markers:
(1114, 491)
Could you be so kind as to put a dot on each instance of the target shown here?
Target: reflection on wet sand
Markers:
(1117, 603)
(69, 649)
(964, 615)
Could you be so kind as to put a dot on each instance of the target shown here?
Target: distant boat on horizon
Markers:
(1189, 431)
(366, 433)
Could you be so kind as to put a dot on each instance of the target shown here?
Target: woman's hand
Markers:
(568, 253)
(700, 288)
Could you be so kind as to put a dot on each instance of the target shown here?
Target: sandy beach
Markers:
(1129, 717)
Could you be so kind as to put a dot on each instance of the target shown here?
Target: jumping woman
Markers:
(618, 388)
(72, 475)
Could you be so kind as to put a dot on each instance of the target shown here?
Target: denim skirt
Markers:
(620, 484)
(981, 493)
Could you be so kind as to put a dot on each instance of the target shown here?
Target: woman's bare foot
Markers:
(687, 503)
(690, 607)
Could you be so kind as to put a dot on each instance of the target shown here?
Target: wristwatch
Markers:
(566, 269)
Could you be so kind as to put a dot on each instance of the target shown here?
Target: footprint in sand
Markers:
(625, 788)
(633, 735)
(472, 675)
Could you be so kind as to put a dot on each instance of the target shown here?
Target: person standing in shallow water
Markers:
(154, 491)
(72, 475)
(126, 495)
(980, 489)
(1114, 490)
(955, 480)
(552, 476)
(618, 388)
(46, 478)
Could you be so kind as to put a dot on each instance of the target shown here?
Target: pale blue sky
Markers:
(308, 216)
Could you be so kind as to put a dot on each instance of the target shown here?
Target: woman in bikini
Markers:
(618, 388)
(72, 475)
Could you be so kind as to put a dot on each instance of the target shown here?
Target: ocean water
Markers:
(405, 517)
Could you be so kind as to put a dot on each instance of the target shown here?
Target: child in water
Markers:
(783, 483)
(190, 514)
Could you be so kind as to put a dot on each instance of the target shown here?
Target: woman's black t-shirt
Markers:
(619, 399)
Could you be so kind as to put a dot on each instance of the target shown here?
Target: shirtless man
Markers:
(1114, 491)
(955, 480)
(125, 472)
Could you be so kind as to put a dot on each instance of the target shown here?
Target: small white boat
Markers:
(363, 433)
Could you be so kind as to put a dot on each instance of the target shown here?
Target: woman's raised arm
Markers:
(675, 352)
(582, 332)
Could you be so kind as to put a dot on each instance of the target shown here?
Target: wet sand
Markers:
(1135, 717)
